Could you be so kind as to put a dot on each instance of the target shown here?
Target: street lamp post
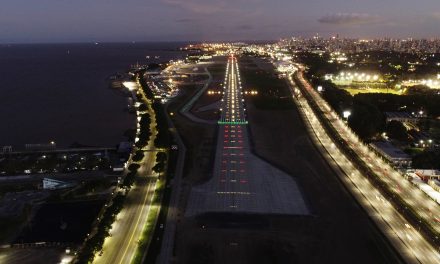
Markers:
(346, 114)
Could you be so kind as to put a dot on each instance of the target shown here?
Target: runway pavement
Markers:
(242, 182)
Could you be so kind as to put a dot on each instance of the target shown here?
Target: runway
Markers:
(242, 182)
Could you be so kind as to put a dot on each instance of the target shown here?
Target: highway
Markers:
(126, 231)
(425, 207)
(412, 246)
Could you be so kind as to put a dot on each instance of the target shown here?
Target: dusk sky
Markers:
(168, 20)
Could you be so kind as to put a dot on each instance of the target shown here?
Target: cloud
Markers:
(435, 15)
(185, 20)
(348, 19)
(245, 27)
(199, 7)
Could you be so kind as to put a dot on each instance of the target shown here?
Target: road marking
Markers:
(137, 223)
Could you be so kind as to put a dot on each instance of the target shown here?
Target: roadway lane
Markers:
(425, 207)
(405, 238)
(126, 231)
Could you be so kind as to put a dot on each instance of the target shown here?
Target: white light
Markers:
(346, 114)
(130, 85)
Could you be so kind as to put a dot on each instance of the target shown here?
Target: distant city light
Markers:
(130, 85)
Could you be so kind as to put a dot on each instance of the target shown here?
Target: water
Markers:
(61, 92)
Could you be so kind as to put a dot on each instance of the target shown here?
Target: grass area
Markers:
(354, 91)
(155, 246)
(217, 69)
(157, 216)
(147, 232)
(413, 151)
(10, 226)
(273, 93)
(434, 129)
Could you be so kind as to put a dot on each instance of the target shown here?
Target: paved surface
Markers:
(405, 238)
(33, 255)
(425, 207)
(126, 231)
(187, 107)
(166, 251)
(242, 182)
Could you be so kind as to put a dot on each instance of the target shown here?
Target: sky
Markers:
(30, 21)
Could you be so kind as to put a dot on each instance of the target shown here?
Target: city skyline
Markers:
(176, 20)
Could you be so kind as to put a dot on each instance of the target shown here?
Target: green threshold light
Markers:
(232, 122)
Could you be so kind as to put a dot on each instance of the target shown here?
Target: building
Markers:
(393, 155)
(41, 146)
(51, 184)
(403, 117)
(427, 175)
(435, 184)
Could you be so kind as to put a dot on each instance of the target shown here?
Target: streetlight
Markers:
(346, 114)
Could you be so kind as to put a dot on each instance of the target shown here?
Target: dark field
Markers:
(61, 222)
(272, 94)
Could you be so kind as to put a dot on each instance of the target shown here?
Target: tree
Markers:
(134, 167)
(143, 107)
(427, 160)
(396, 130)
(161, 158)
(138, 156)
(366, 120)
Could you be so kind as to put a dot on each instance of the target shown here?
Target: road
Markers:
(412, 246)
(126, 231)
(187, 107)
(166, 251)
(425, 207)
